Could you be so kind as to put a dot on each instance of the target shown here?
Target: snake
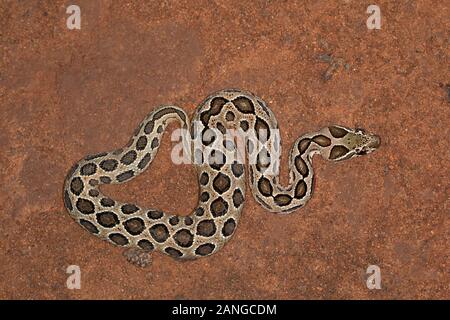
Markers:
(222, 164)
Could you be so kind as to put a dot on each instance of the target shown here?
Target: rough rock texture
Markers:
(65, 94)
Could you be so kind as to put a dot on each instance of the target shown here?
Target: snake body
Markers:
(222, 183)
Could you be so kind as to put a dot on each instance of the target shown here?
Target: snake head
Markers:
(349, 143)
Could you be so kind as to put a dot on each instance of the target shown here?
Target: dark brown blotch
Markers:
(322, 141)
(262, 130)
(85, 206)
(229, 116)
(174, 253)
(204, 178)
(206, 228)
(125, 176)
(265, 187)
(134, 226)
(174, 220)
(89, 226)
(300, 189)
(228, 227)
(155, 143)
(107, 202)
(184, 238)
(129, 157)
(338, 151)
(76, 186)
(105, 180)
(149, 127)
(88, 169)
(221, 183)
(237, 169)
(282, 199)
(141, 143)
(303, 145)
(129, 208)
(154, 214)
(144, 161)
(238, 198)
(109, 164)
(118, 239)
(146, 245)
(219, 207)
(93, 193)
(67, 201)
(337, 132)
(244, 105)
(107, 219)
(159, 232)
(205, 249)
(301, 166)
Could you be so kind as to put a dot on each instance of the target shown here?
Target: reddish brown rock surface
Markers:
(65, 94)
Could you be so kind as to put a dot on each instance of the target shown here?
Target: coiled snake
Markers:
(222, 185)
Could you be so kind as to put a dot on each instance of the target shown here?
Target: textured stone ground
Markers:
(65, 94)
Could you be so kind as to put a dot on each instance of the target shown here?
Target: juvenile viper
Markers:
(222, 185)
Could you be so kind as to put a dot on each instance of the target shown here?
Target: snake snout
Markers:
(375, 142)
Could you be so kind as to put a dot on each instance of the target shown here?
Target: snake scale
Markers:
(222, 183)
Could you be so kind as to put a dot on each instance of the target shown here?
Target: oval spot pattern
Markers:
(154, 214)
(300, 189)
(205, 249)
(337, 152)
(159, 232)
(337, 132)
(76, 186)
(238, 198)
(107, 219)
(204, 196)
(67, 202)
(125, 175)
(188, 221)
(129, 208)
(107, 202)
(141, 143)
(118, 239)
(244, 125)
(206, 228)
(282, 199)
(301, 166)
(105, 180)
(219, 207)
(134, 226)
(146, 245)
(109, 164)
(322, 141)
(174, 220)
(88, 169)
(221, 183)
(303, 145)
(174, 253)
(244, 105)
(85, 206)
(262, 130)
(144, 161)
(129, 157)
(265, 187)
(89, 226)
(184, 238)
(199, 211)
(204, 178)
(228, 227)
(238, 169)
